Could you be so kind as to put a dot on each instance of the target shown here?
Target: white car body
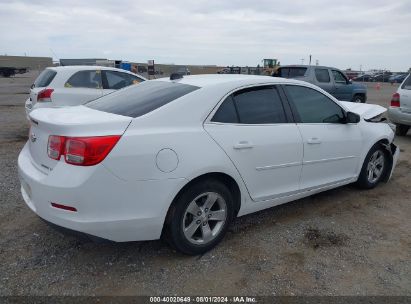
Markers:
(65, 94)
(126, 197)
(400, 113)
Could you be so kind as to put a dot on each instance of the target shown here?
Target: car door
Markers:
(115, 80)
(81, 87)
(252, 127)
(322, 79)
(342, 89)
(331, 147)
(405, 95)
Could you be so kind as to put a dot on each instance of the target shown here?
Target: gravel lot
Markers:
(341, 242)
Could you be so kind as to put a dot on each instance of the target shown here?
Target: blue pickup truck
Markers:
(329, 79)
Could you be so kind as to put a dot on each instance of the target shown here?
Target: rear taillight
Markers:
(81, 151)
(44, 95)
(55, 146)
(395, 100)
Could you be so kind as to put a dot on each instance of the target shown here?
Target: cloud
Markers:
(371, 33)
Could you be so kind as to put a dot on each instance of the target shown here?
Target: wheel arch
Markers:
(225, 178)
(389, 152)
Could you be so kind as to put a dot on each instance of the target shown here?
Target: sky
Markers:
(355, 34)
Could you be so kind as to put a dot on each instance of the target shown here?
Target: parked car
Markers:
(182, 71)
(7, 71)
(329, 79)
(364, 78)
(75, 85)
(399, 111)
(398, 78)
(181, 159)
(381, 77)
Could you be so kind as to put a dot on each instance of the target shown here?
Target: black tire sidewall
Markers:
(401, 130)
(361, 98)
(175, 233)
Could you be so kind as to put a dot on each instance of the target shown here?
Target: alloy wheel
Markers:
(204, 218)
(375, 166)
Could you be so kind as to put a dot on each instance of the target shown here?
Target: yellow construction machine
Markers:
(270, 66)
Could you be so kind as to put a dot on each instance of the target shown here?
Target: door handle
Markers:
(314, 141)
(243, 145)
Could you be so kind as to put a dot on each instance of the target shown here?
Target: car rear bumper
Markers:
(107, 207)
(399, 116)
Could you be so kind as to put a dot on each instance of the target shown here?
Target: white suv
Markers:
(399, 111)
(76, 85)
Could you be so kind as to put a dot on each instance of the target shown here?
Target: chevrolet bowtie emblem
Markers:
(33, 137)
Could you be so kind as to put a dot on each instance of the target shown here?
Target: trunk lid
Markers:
(366, 111)
(77, 121)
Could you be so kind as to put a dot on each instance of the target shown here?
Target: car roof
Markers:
(235, 80)
(75, 68)
(85, 67)
(308, 66)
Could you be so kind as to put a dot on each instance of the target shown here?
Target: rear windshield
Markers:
(138, 100)
(44, 79)
(407, 83)
(291, 72)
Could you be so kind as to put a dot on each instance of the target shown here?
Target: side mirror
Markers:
(349, 81)
(351, 117)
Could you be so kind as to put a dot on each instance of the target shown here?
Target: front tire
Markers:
(358, 99)
(200, 217)
(374, 168)
(401, 130)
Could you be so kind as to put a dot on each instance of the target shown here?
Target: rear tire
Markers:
(374, 167)
(199, 218)
(401, 130)
(358, 98)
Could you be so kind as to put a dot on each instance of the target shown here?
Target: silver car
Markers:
(399, 111)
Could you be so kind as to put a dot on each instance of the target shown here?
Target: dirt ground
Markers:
(341, 242)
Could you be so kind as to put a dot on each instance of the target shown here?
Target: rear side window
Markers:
(227, 112)
(313, 106)
(45, 78)
(138, 100)
(90, 79)
(115, 80)
(260, 105)
(322, 75)
(291, 72)
(407, 83)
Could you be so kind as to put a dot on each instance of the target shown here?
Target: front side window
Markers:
(118, 80)
(90, 79)
(322, 75)
(261, 105)
(339, 77)
(313, 106)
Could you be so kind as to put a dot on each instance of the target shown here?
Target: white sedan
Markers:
(75, 85)
(182, 158)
